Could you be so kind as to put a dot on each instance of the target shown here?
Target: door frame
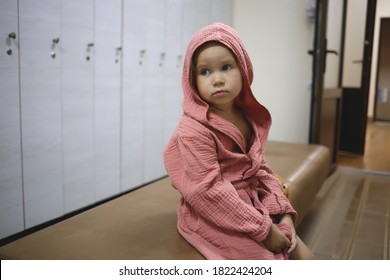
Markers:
(319, 59)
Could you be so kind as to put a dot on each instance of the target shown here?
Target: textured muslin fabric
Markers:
(230, 197)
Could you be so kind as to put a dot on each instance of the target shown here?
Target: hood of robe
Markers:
(193, 104)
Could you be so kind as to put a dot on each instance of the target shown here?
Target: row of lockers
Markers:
(90, 94)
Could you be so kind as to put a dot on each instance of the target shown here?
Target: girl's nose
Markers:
(218, 79)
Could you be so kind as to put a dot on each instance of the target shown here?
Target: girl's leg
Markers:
(302, 252)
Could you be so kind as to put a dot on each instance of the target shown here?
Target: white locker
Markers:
(41, 109)
(172, 67)
(90, 95)
(221, 11)
(155, 57)
(77, 44)
(107, 88)
(189, 21)
(132, 125)
(11, 192)
(203, 12)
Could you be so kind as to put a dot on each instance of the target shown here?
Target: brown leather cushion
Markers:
(142, 224)
(303, 168)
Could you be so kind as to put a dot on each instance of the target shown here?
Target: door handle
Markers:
(311, 52)
(332, 52)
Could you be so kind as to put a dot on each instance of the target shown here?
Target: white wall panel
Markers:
(11, 192)
(40, 80)
(78, 103)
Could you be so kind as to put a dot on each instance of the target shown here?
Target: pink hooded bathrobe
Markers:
(230, 197)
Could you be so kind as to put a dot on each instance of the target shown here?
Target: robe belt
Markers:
(251, 183)
(252, 187)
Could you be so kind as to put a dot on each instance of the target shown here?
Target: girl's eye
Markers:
(204, 72)
(226, 67)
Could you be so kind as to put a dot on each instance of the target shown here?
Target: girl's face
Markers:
(217, 76)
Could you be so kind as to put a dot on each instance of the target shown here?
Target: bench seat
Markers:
(142, 224)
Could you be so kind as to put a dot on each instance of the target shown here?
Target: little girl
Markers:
(232, 205)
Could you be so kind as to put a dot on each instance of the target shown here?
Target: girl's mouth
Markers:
(219, 93)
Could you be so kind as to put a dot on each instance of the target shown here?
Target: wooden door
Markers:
(11, 189)
(382, 100)
(356, 74)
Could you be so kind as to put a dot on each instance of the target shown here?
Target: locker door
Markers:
(189, 21)
(107, 97)
(40, 82)
(172, 68)
(221, 11)
(11, 193)
(134, 52)
(155, 57)
(203, 13)
(78, 103)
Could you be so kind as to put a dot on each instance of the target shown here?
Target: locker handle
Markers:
(12, 35)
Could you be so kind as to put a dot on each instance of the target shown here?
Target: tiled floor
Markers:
(350, 218)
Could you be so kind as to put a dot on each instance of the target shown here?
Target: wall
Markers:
(278, 35)
(382, 10)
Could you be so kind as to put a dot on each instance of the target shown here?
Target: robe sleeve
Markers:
(274, 199)
(197, 176)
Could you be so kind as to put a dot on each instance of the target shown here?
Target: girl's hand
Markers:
(287, 219)
(276, 241)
